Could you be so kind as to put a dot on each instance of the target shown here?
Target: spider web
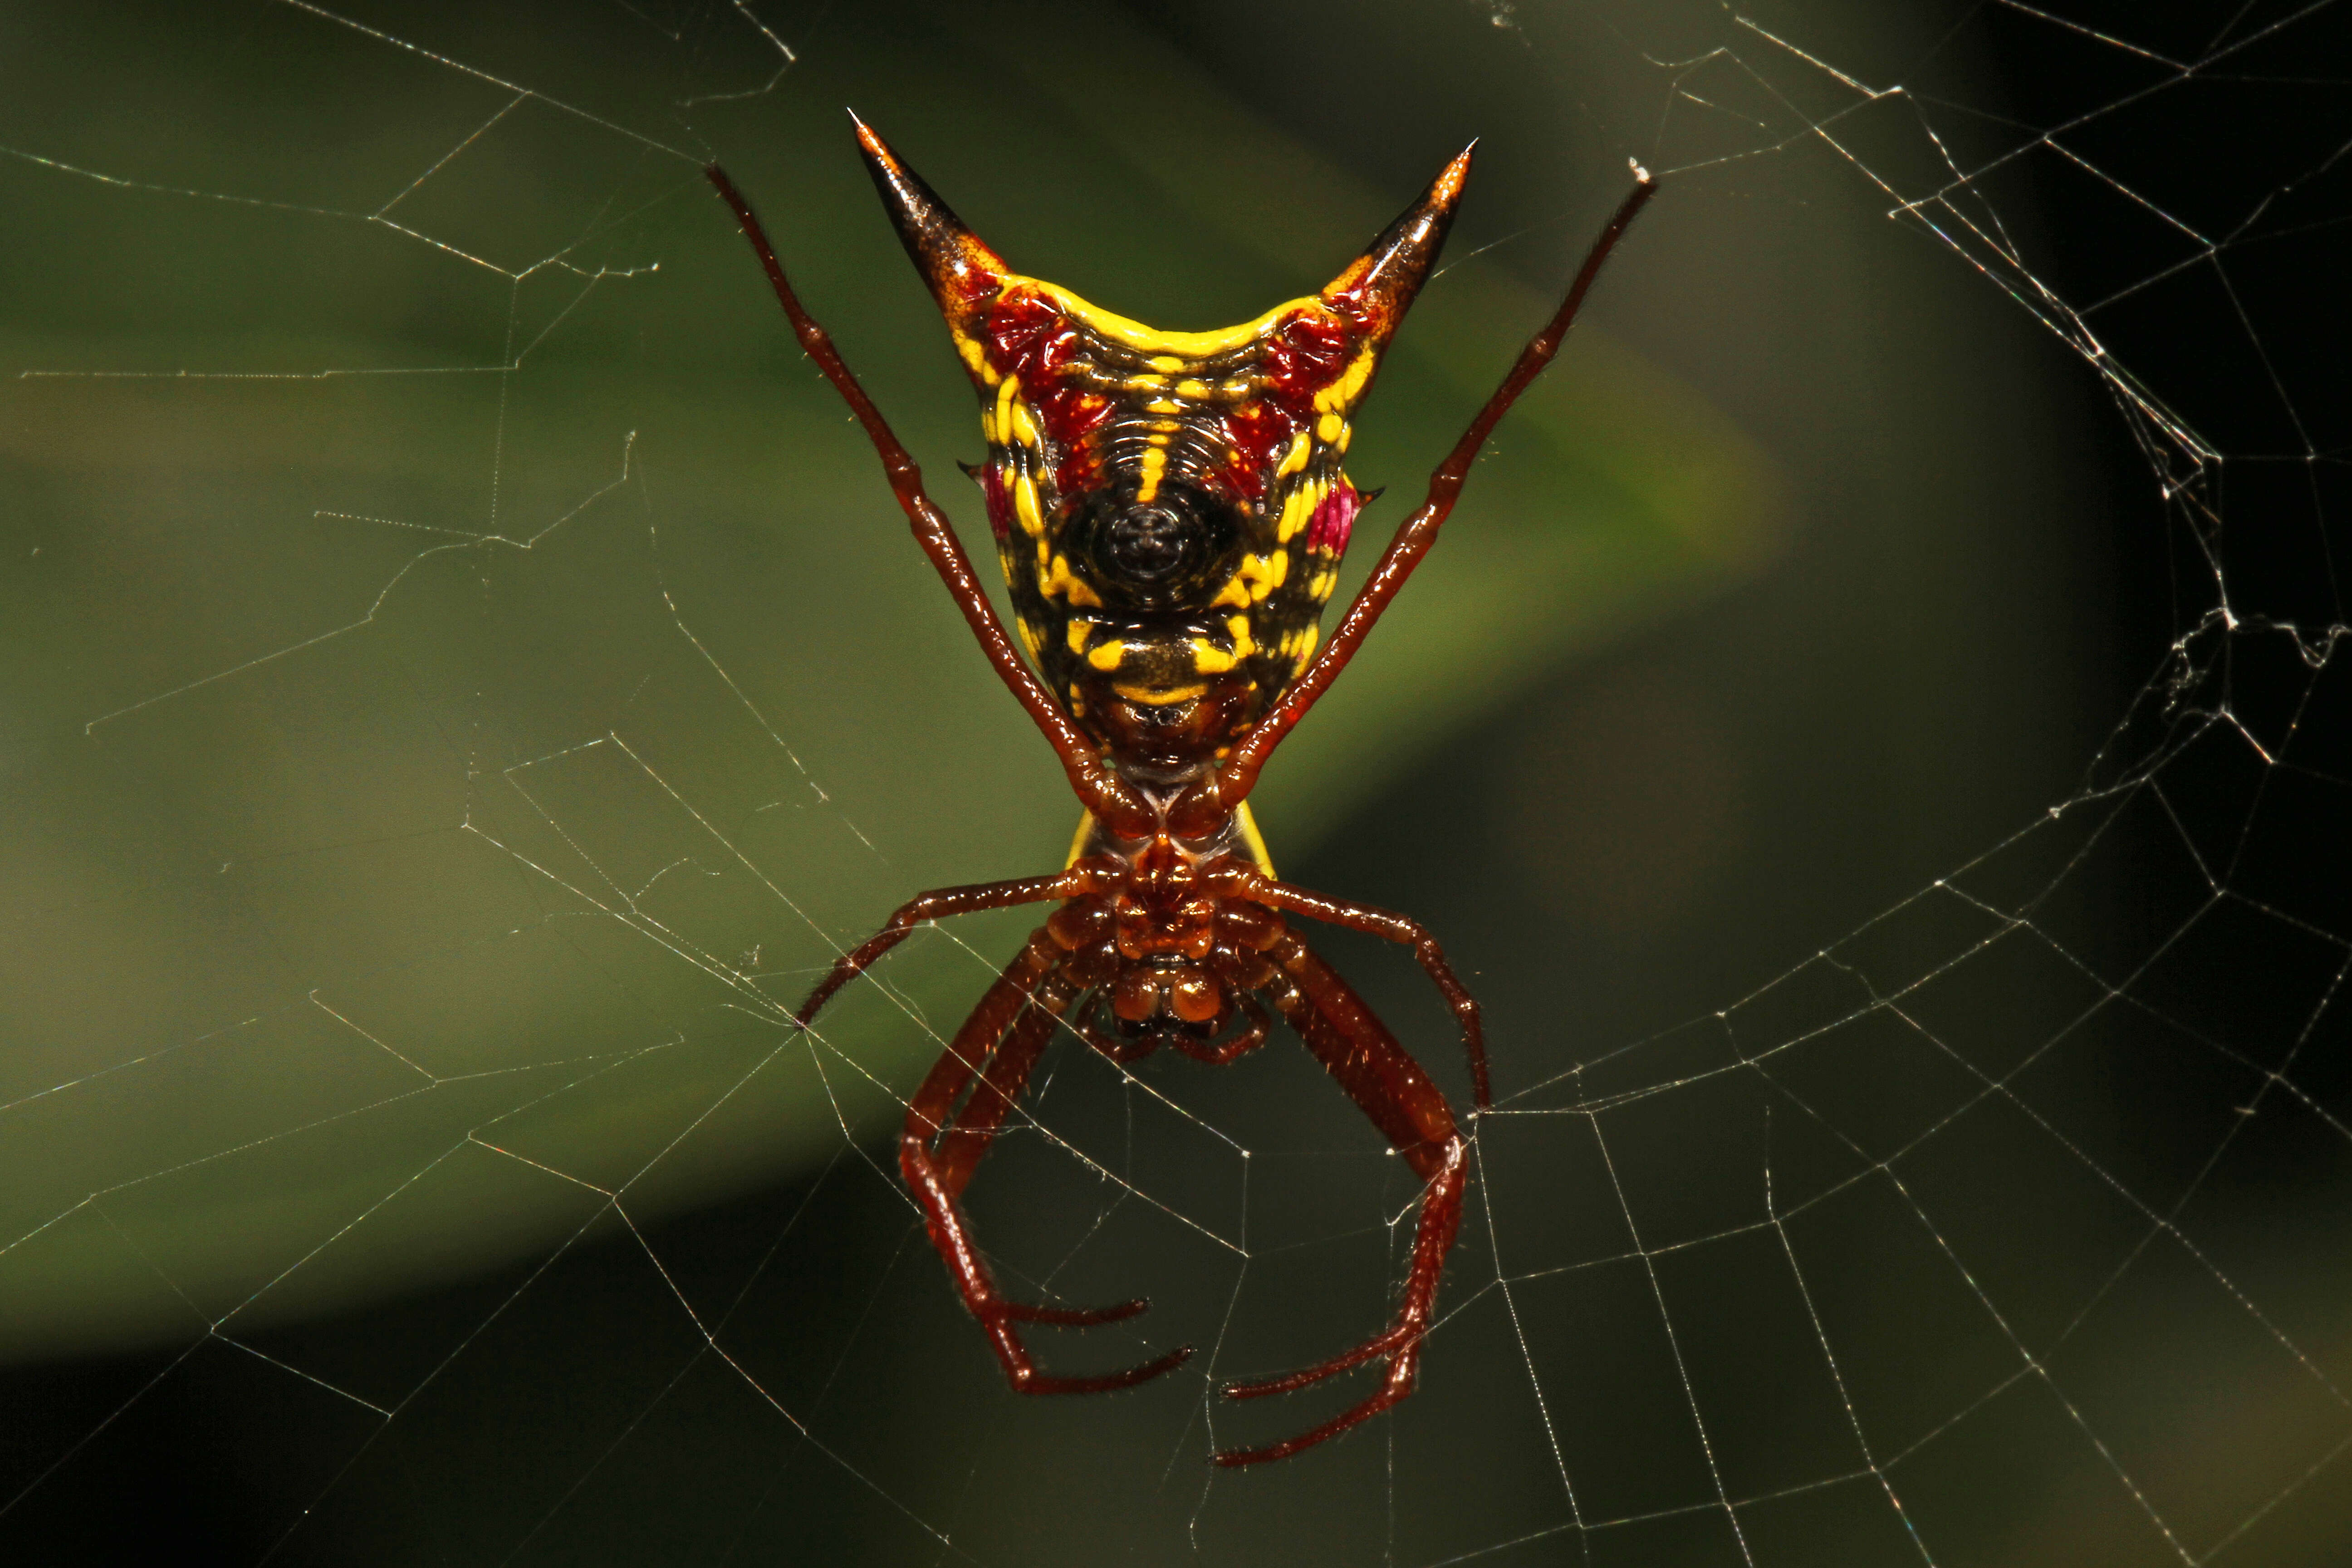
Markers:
(1874, 734)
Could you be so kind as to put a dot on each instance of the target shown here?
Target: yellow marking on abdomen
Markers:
(976, 358)
(1265, 573)
(1107, 656)
(1174, 345)
(1159, 699)
(1297, 509)
(1210, 659)
(1080, 629)
(1056, 578)
(1296, 458)
(1006, 392)
(1155, 463)
(1025, 507)
(1341, 394)
(1257, 577)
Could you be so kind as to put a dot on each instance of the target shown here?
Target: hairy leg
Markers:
(999, 1044)
(1110, 798)
(938, 904)
(1215, 1052)
(1220, 1053)
(1376, 1072)
(1385, 923)
(965, 1142)
(1111, 1043)
(1208, 802)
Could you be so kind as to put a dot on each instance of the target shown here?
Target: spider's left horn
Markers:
(963, 272)
(1379, 286)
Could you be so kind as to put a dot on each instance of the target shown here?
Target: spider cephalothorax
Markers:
(1170, 510)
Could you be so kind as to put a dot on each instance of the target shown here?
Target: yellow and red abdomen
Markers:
(1170, 508)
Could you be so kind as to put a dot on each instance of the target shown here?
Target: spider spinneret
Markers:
(1170, 509)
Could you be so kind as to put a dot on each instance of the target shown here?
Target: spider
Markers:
(1170, 510)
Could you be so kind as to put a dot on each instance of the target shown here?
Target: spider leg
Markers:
(964, 1141)
(1111, 1045)
(1219, 1053)
(1225, 1052)
(1394, 926)
(1109, 797)
(1207, 802)
(1378, 1074)
(938, 904)
(1008, 1031)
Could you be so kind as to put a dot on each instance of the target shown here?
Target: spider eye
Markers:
(1151, 553)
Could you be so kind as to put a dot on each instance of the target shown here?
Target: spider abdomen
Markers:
(1169, 506)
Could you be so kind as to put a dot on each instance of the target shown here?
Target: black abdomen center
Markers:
(1162, 551)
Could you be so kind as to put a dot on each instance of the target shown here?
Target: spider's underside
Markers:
(1170, 510)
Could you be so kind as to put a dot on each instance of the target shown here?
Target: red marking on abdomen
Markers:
(999, 505)
(1329, 529)
(1257, 432)
(1305, 357)
(1068, 416)
(1016, 328)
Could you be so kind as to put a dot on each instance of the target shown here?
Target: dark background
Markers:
(1690, 852)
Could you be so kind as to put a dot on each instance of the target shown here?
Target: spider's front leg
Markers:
(1390, 926)
(1378, 1074)
(938, 904)
(999, 1045)
(1219, 793)
(1108, 796)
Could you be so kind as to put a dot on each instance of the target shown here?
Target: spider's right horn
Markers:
(964, 273)
(1379, 286)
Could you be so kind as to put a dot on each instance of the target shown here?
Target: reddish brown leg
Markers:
(1008, 1031)
(1376, 1072)
(1109, 797)
(1392, 927)
(1224, 1052)
(965, 1140)
(1209, 801)
(1217, 1053)
(1113, 1045)
(938, 904)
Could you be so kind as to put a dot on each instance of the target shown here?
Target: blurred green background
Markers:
(467, 676)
